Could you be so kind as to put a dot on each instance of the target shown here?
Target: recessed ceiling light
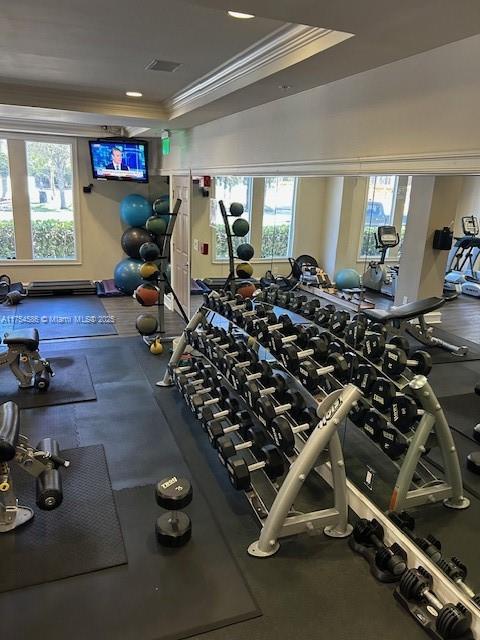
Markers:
(239, 15)
(284, 87)
(134, 94)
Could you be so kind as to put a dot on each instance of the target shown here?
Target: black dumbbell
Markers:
(268, 409)
(370, 533)
(352, 365)
(173, 529)
(311, 375)
(395, 362)
(338, 322)
(238, 304)
(270, 460)
(221, 427)
(358, 412)
(365, 378)
(277, 384)
(302, 335)
(452, 621)
(355, 333)
(222, 307)
(404, 412)
(383, 393)
(255, 436)
(392, 442)
(228, 407)
(263, 328)
(241, 317)
(374, 424)
(283, 431)
(292, 357)
(201, 396)
(322, 316)
(246, 359)
(243, 372)
(310, 307)
(250, 325)
(297, 303)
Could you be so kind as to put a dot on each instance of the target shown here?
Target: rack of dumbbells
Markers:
(398, 411)
(261, 419)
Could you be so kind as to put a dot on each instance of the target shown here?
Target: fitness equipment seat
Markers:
(410, 319)
(42, 462)
(25, 361)
(378, 277)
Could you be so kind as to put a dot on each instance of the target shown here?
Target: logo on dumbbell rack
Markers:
(330, 413)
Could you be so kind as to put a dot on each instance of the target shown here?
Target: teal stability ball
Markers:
(127, 275)
(347, 279)
(135, 210)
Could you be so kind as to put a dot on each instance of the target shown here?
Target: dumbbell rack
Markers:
(432, 425)
(279, 521)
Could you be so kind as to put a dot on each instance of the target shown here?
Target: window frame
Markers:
(26, 137)
(361, 258)
(247, 238)
(291, 232)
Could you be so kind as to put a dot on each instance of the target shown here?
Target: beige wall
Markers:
(100, 228)
(468, 202)
(426, 104)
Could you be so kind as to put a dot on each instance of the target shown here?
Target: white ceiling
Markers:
(78, 59)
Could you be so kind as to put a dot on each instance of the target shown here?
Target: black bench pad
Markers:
(28, 337)
(9, 429)
(405, 311)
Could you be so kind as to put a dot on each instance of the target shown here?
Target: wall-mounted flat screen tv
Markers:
(119, 159)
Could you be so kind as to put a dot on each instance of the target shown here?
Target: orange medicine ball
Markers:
(146, 295)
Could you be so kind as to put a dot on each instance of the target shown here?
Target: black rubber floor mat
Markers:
(442, 356)
(80, 536)
(50, 422)
(65, 317)
(463, 413)
(72, 383)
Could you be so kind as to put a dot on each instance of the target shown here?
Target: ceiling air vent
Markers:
(162, 65)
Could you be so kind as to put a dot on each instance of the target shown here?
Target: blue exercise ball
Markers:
(135, 210)
(347, 279)
(127, 275)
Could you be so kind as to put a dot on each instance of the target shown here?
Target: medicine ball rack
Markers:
(161, 280)
(432, 429)
(231, 278)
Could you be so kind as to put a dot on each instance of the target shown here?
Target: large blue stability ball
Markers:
(127, 275)
(135, 210)
(347, 279)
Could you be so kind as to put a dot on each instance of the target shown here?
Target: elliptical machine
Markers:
(460, 274)
(379, 277)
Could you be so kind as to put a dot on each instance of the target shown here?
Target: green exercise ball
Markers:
(146, 324)
(161, 206)
(157, 225)
(236, 209)
(245, 251)
(240, 227)
(244, 270)
(347, 279)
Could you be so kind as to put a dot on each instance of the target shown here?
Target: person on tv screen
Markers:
(117, 163)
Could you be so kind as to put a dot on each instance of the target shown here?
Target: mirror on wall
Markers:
(357, 236)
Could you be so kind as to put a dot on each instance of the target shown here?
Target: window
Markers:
(51, 205)
(278, 217)
(231, 189)
(7, 230)
(387, 203)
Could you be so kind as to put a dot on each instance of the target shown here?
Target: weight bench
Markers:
(410, 319)
(24, 359)
(42, 462)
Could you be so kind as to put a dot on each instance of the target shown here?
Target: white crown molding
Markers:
(438, 163)
(283, 48)
(13, 126)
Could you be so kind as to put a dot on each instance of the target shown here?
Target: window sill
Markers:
(37, 263)
(368, 260)
(257, 261)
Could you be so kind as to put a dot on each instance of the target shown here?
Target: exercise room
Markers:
(239, 320)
